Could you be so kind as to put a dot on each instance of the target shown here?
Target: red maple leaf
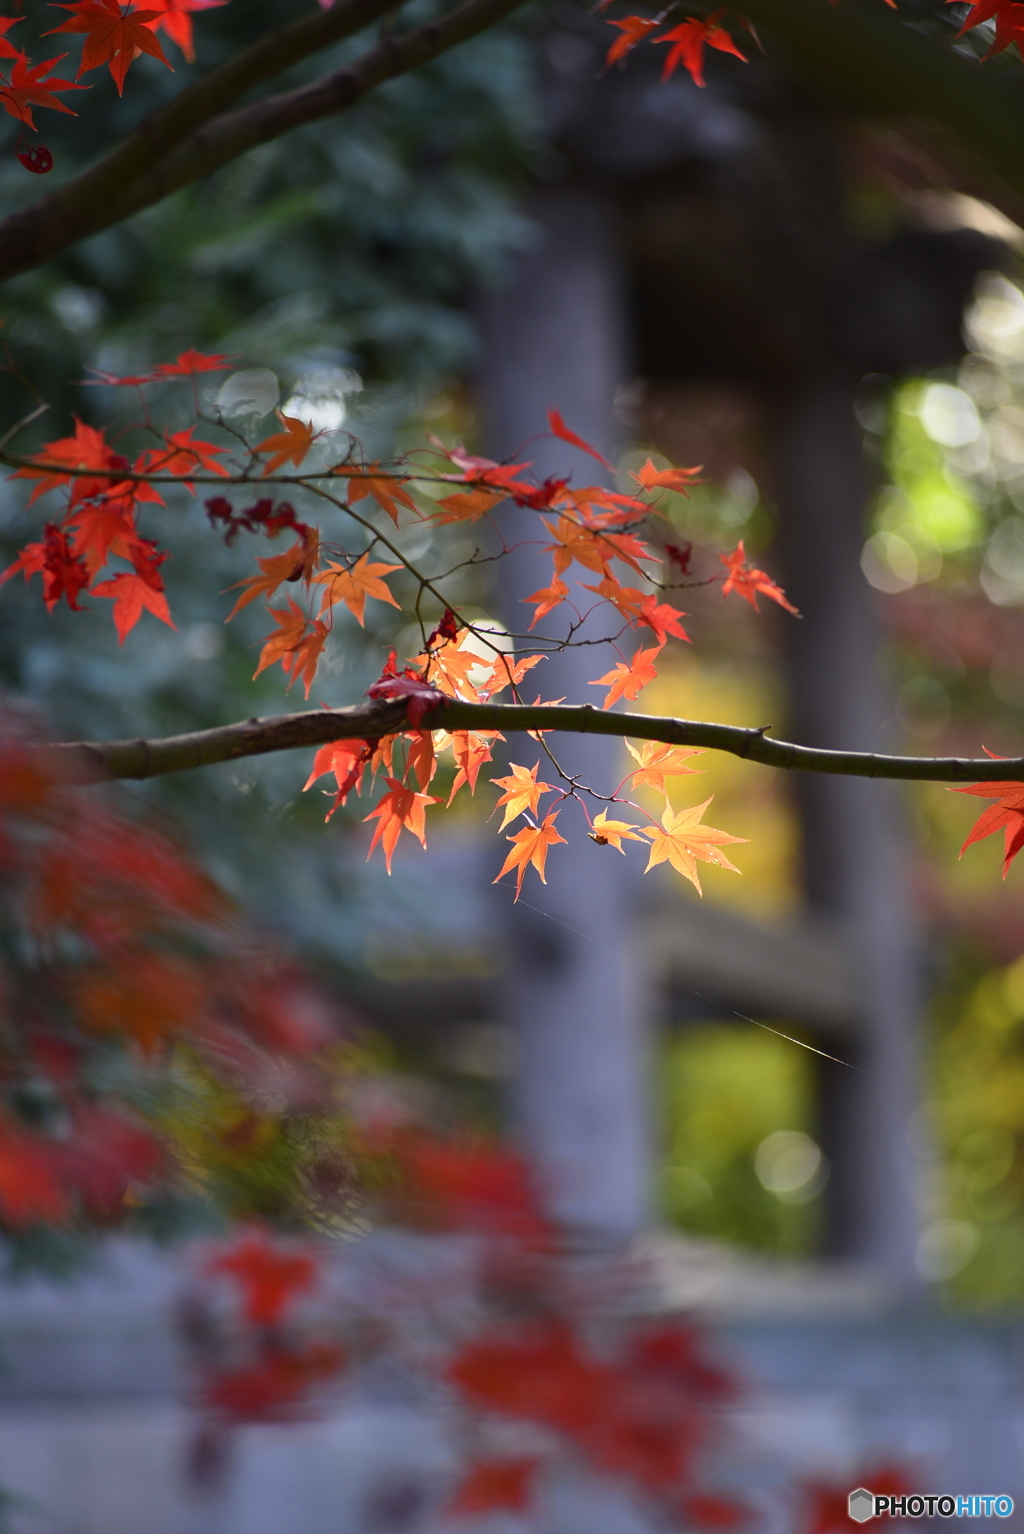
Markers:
(27, 88)
(1009, 20)
(64, 573)
(112, 37)
(182, 454)
(175, 20)
(419, 696)
(1006, 816)
(746, 580)
(492, 1485)
(191, 362)
(689, 40)
(267, 1275)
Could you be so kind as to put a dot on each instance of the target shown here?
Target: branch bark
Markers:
(187, 139)
(97, 761)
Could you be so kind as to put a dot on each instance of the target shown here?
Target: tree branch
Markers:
(97, 761)
(82, 206)
(186, 140)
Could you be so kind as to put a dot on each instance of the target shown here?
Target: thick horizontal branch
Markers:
(82, 206)
(96, 761)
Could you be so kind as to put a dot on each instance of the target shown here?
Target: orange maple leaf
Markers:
(288, 446)
(353, 585)
(386, 490)
(346, 759)
(746, 580)
(663, 618)
(112, 37)
(26, 89)
(628, 681)
(680, 480)
(548, 598)
(682, 839)
(627, 600)
(1006, 816)
(295, 563)
(634, 30)
(468, 506)
(402, 809)
(133, 593)
(495, 1484)
(658, 762)
(297, 650)
(471, 748)
(612, 833)
(522, 792)
(508, 673)
(689, 40)
(531, 846)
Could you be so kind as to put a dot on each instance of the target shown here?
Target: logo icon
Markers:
(861, 1505)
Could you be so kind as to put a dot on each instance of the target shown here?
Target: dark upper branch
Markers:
(187, 139)
(95, 761)
(226, 137)
(80, 208)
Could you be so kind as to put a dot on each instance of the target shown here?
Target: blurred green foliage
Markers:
(726, 1090)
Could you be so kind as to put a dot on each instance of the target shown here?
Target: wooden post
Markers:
(855, 849)
(553, 339)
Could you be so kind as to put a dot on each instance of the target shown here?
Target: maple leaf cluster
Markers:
(96, 548)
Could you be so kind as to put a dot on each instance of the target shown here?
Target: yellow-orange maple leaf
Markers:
(682, 839)
(294, 564)
(658, 762)
(508, 673)
(531, 846)
(627, 681)
(522, 792)
(612, 833)
(402, 809)
(297, 650)
(386, 490)
(353, 586)
(288, 446)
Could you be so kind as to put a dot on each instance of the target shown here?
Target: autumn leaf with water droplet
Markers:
(612, 833)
